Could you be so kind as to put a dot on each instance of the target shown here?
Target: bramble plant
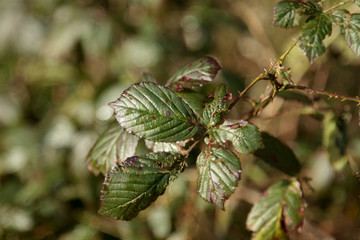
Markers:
(173, 119)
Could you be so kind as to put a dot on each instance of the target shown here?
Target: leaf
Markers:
(278, 155)
(194, 74)
(148, 77)
(163, 146)
(215, 110)
(356, 1)
(311, 8)
(113, 146)
(194, 100)
(287, 14)
(290, 95)
(341, 17)
(352, 34)
(219, 172)
(267, 217)
(155, 112)
(316, 29)
(136, 183)
(244, 136)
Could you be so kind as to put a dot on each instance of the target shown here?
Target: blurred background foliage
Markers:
(62, 61)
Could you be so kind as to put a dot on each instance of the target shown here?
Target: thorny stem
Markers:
(326, 93)
(242, 93)
(336, 6)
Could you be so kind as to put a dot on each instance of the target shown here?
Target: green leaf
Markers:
(137, 182)
(219, 172)
(342, 18)
(244, 136)
(352, 34)
(287, 14)
(194, 74)
(155, 112)
(267, 217)
(214, 111)
(148, 77)
(290, 95)
(194, 100)
(311, 39)
(163, 146)
(113, 146)
(356, 1)
(311, 8)
(278, 155)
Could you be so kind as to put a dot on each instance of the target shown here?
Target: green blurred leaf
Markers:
(219, 172)
(136, 183)
(311, 39)
(312, 8)
(215, 110)
(287, 14)
(162, 146)
(352, 34)
(113, 146)
(278, 155)
(267, 217)
(244, 136)
(155, 112)
(291, 95)
(194, 74)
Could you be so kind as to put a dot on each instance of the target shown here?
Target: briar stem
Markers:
(243, 92)
(336, 6)
(325, 93)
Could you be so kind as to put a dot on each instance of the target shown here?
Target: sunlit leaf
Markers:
(113, 146)
(244, 136)
(136, 183)
(287, 14)
(214, 111)
(194, 74)
(155, 112)
(315, 31)
(219, 172)
(278, 155)
(352, 34)
(163, 146)
(267, 217)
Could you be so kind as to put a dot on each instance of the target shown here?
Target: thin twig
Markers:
(326, 93)
(258, 78)
(336, 6)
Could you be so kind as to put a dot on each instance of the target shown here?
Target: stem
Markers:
(326, 93)
(336, 6)
(282, 58)
(258, 78)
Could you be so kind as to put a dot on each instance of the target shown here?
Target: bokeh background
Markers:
(62, 61)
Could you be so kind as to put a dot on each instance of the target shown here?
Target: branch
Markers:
(336, 6)
(326, 93)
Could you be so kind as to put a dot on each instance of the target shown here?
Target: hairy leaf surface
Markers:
(311, 39)
(136, 183)
(278, 155)
(113, 146)
(287, 14)
(244, 136)
(194, 74)
(219, 172)
(155, 112)
(267, 217)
